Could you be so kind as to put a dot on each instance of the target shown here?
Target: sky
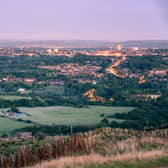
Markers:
(109, 20)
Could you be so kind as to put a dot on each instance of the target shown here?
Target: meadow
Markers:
(13, 98)
(61, 115)
(7, 125)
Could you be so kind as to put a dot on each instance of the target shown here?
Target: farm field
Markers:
(61, 115)
(12, 98)
(7, 125)
(56, 90)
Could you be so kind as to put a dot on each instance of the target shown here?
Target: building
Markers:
(107, 53)
(21, 90)
(118, 47)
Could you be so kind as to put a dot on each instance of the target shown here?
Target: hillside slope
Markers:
(101, 147)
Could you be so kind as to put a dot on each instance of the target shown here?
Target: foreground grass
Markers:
(152, 159)
(102, 147)
(156, 163)
(117, 148)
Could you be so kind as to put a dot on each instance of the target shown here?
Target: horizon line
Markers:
(115, 41)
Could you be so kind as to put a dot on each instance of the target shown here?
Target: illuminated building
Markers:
(118, 47)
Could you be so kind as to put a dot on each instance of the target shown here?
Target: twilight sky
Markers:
(114, 20)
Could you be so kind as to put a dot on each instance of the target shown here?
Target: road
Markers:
(112, 68)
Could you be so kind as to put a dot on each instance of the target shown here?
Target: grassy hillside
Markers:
(8, 125)
(104, 147)
(12, 98)
(61, 115)
(147, 160)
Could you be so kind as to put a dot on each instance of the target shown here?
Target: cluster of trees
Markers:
(52, 101)
(20, 103)
(147, 116)
(53, 130)
(145, 63)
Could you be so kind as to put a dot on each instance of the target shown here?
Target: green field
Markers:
(61, 115)
(54, 90)
(12, 98)
(7, 125)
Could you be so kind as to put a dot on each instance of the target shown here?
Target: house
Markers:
(147, 96)
(25, 134)
(21, 90)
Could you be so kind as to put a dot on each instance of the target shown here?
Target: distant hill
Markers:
(147, 44)
(84, 43)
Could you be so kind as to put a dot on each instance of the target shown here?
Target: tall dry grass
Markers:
(104, 144)
(83, 161)
(109, 145)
